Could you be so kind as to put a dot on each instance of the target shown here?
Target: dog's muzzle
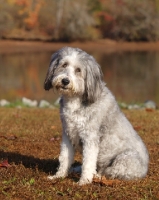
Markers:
(65, 81)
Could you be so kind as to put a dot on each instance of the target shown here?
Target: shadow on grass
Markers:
(45, 165)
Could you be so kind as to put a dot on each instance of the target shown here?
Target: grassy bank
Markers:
(30, 141)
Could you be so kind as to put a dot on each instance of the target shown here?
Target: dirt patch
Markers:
(107, 46)
(30, 141)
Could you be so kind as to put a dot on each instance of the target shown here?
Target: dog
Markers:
(92, 121)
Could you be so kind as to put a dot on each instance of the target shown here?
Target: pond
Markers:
(131, 76)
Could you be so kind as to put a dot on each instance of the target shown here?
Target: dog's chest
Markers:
(74, 120)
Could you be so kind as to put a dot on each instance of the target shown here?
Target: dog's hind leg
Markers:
(66, 158)
(126, 166)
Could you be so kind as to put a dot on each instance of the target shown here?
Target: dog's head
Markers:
(73, 72)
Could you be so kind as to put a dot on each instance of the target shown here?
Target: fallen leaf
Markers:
(5, 163)
(54, 139)
(137, 128)
(149, 109)
(9, 137)
(104, 181)
(53, 127)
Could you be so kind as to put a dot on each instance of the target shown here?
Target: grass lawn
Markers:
(30, 141)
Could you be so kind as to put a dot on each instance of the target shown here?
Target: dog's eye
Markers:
(64, 65)
(78, 70)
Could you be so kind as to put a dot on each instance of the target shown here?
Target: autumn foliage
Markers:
(79, 20)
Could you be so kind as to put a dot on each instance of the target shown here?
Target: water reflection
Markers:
(23, 75)
(131, 76)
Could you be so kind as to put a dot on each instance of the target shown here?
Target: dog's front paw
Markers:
(57, 175)
(52, 177)
(84, 181)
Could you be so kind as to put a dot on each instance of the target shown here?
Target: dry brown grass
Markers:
(25, 141)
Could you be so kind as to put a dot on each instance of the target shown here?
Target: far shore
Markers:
(104, 46)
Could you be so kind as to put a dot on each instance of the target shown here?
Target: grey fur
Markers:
(90, 114)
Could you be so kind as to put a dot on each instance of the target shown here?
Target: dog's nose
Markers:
(65, 81)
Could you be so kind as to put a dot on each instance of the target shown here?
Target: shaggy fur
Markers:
(92, 121)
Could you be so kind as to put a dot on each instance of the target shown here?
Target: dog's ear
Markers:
(93, 82)
(50, 73)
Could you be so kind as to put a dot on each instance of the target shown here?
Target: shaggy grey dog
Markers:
(92, 121)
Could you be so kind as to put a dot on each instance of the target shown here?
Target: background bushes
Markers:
(130, 20)
(67, 20)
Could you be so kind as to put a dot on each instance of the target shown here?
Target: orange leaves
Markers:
(22, 2)
(31, 10)
(104, 181)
